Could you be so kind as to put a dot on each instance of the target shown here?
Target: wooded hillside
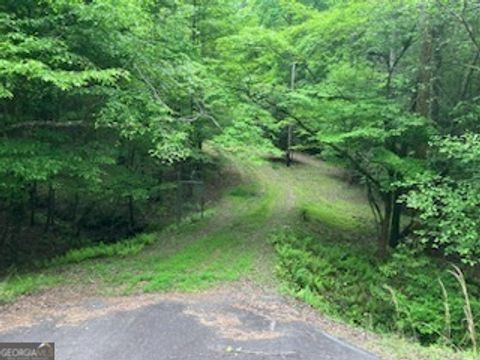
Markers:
(106, 107)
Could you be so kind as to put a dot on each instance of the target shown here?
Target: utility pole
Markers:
(288, 154)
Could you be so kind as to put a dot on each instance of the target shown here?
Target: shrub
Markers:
(400, 295)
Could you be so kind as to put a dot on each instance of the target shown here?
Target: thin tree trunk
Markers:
(76, 200)
(468, 77)
(288, 153)
(33, 202)
(423, 103)
(5, 230)
(384, 239)
(50, 208)
(178, 197)
(395, 222)
(194, 29)
(131, 215)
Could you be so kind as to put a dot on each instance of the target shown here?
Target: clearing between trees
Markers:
(228, 260)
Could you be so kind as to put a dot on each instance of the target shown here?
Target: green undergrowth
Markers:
(13, 286)
(195, 254)
(123, 248)
(392, 346)
(244, 191)
(402, 295)
(17, 284)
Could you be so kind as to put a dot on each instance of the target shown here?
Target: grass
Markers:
(194, 255)
(226, 253)
(244, 191)
(14, 285)
(331, 216)
(215, 258)
(123, 248)
(390, 346)
(230, 242)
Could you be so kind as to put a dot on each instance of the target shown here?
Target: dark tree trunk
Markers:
(390, 223)
(76, 201)
(395, 223)
(288, 152)
(5, 231)
(384, 238)
(131, 216)
(50, 208)
(33, 203)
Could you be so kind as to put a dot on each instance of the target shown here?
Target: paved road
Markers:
(204, 328)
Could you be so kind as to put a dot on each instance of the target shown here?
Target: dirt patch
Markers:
(242, 310)
(74, 305)
(229, 325)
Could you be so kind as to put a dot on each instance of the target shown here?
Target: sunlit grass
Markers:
(331, 216)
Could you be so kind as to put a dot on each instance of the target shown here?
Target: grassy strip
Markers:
(16, 285)
(331, 216)
(215, 258)
(224, 255)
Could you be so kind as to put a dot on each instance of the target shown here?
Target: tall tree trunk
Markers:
(385, 224)
(76, 200)
(425, 73)
(179, 196)
(288, 151)
(467, 79)
(131, 215)
(75, 216)
(5, 229)
(390, 222)
(194, 28)
(395, 222)
(33, 202)
(424, 95)
(50, 207)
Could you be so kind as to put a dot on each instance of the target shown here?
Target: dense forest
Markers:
(107, 106)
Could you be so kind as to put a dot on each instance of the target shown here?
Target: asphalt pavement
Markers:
(182, 329)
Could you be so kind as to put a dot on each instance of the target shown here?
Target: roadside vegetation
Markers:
(222, 244)
(406, 297)
(321, 255)
(135, 136)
